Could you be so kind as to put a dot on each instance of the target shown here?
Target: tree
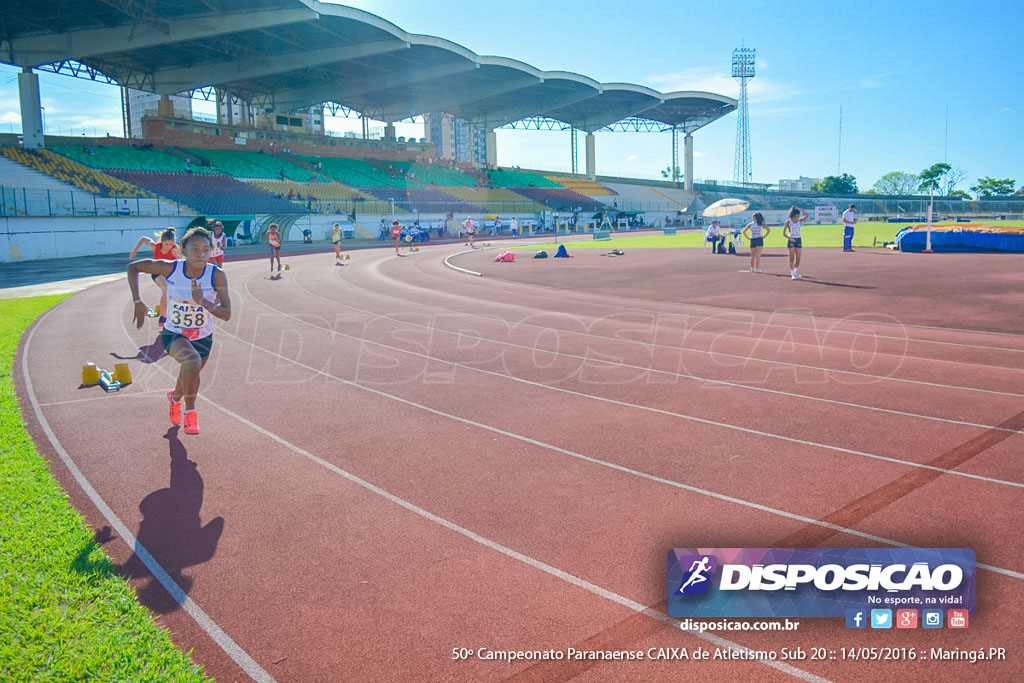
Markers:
(836, 184)
(897, 182)
(670, 172)
(992, 187)
(931, 178)
(959, 193)
(953, 178)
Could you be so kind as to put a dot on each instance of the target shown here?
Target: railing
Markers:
(24, 201)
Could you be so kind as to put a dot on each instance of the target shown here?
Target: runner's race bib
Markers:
(189, 317)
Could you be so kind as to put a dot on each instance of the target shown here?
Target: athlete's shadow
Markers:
(171, 531)
(150, 353)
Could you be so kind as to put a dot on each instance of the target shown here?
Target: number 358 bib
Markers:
(189, 317)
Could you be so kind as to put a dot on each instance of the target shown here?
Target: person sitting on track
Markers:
(164, 250)
(197, 292)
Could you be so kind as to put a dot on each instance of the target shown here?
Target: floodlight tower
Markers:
(743, 69)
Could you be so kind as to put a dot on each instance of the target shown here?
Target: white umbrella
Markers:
(726, 207)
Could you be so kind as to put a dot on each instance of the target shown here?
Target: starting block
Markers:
(92, 375)
(122, 374)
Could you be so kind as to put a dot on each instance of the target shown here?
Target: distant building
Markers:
(141, 104)
(456, 139)
(801, 184)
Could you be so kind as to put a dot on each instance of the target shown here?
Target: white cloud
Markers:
(698, 154)
(714, 81)
(1005, 109)
(632, 157)
(10, 117)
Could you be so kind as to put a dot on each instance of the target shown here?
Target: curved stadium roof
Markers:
(289, 54)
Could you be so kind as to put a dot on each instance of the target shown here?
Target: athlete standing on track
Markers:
(220, 243)
(791, 231)
(755, 232)
(470, 227)
(396, 234)
(164, 250)
(336, 241)
(274, 240)
(197, 292)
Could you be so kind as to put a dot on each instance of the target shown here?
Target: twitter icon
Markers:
(881, 618)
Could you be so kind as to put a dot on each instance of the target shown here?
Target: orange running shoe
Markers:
(175, 409)
(191, 422)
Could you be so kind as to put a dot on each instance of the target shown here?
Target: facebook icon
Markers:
(856, 618)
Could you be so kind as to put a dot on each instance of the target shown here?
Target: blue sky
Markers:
(894, 67)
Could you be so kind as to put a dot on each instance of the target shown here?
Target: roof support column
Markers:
(492, 148)
(574, 151)
(31, 114)
(591, 156)
(390, 132)
(688, 162)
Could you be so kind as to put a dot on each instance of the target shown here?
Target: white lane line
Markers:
(484, 541)
(229, 646)
(603, 463)
(102, 397)
(659, 411)
(464, 270)
(686, 349)
(668, 373)
(629, 304)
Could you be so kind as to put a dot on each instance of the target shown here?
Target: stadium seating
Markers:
(511, 178)
(252, 164)
(423, 199)
(581, 185)
(209, 194)
(359, 173)
(128, 157)
(72, 172)
(500, 200)
(434, 174)
(560, 199)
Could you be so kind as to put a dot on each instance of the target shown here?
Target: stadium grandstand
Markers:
(248, 165)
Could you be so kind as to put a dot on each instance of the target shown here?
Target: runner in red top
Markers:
(396, 234)
(164, 250)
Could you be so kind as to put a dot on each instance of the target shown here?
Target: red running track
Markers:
(398, 459)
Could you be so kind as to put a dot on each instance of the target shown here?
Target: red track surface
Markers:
(397, 459)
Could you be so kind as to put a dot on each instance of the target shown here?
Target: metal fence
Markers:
(26, 201)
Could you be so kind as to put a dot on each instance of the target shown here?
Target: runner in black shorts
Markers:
(197, 292)
(756, 231)
(792, 231)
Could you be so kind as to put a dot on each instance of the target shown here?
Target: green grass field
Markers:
(813, 236)
(64, 614)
